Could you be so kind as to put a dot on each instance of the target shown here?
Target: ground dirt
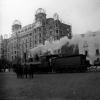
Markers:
(67, 86)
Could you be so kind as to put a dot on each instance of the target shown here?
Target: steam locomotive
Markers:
(59, 64)
(52, 64)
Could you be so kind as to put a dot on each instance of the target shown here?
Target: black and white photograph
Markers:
(49, 49)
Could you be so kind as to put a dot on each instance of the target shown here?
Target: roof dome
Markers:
(16, 22)
(56, 16)
(40, 10)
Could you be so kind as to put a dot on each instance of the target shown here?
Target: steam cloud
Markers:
(90, 42)
(54, 45)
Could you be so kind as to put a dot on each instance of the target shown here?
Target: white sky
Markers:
(84, 15)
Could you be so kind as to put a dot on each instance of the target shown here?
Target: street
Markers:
(70, 86)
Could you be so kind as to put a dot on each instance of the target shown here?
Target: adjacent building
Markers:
(1, 46)
(4, 50)
(90, 46)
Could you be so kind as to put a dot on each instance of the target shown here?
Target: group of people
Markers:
(23, 71)
(5, 68)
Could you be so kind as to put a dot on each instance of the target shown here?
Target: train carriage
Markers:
(74, 63)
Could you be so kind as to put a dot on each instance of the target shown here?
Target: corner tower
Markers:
(40, 16)
(16, 26)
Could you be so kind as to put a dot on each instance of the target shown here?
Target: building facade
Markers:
(4, 50)
(25, 38)
(90, 46)
(1, 46)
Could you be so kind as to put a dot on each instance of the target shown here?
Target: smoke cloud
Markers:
(88, 42)
(51, 47)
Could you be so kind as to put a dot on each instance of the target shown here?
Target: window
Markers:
(26, 40)
(57, 37)
(67, 29)
(56, 31)
(60, 32)
(39, 29)
(30, 44)
(40, 35)
(35, 41)
(26, 45)
(30, 34)
(35, 37)
(30, 39)
(25, 29)
(86, 53)
(18, 31)
(59, 51)
(12, 57)
(97, 52)
(40, 41)
(43, 22)
(51, 33)
(56, 24)
(35, 30)
(15, 57)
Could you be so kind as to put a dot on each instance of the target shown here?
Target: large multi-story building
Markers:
(25, 38)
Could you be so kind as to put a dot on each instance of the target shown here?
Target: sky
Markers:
(83, 15)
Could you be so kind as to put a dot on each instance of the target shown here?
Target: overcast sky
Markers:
(84, 15)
